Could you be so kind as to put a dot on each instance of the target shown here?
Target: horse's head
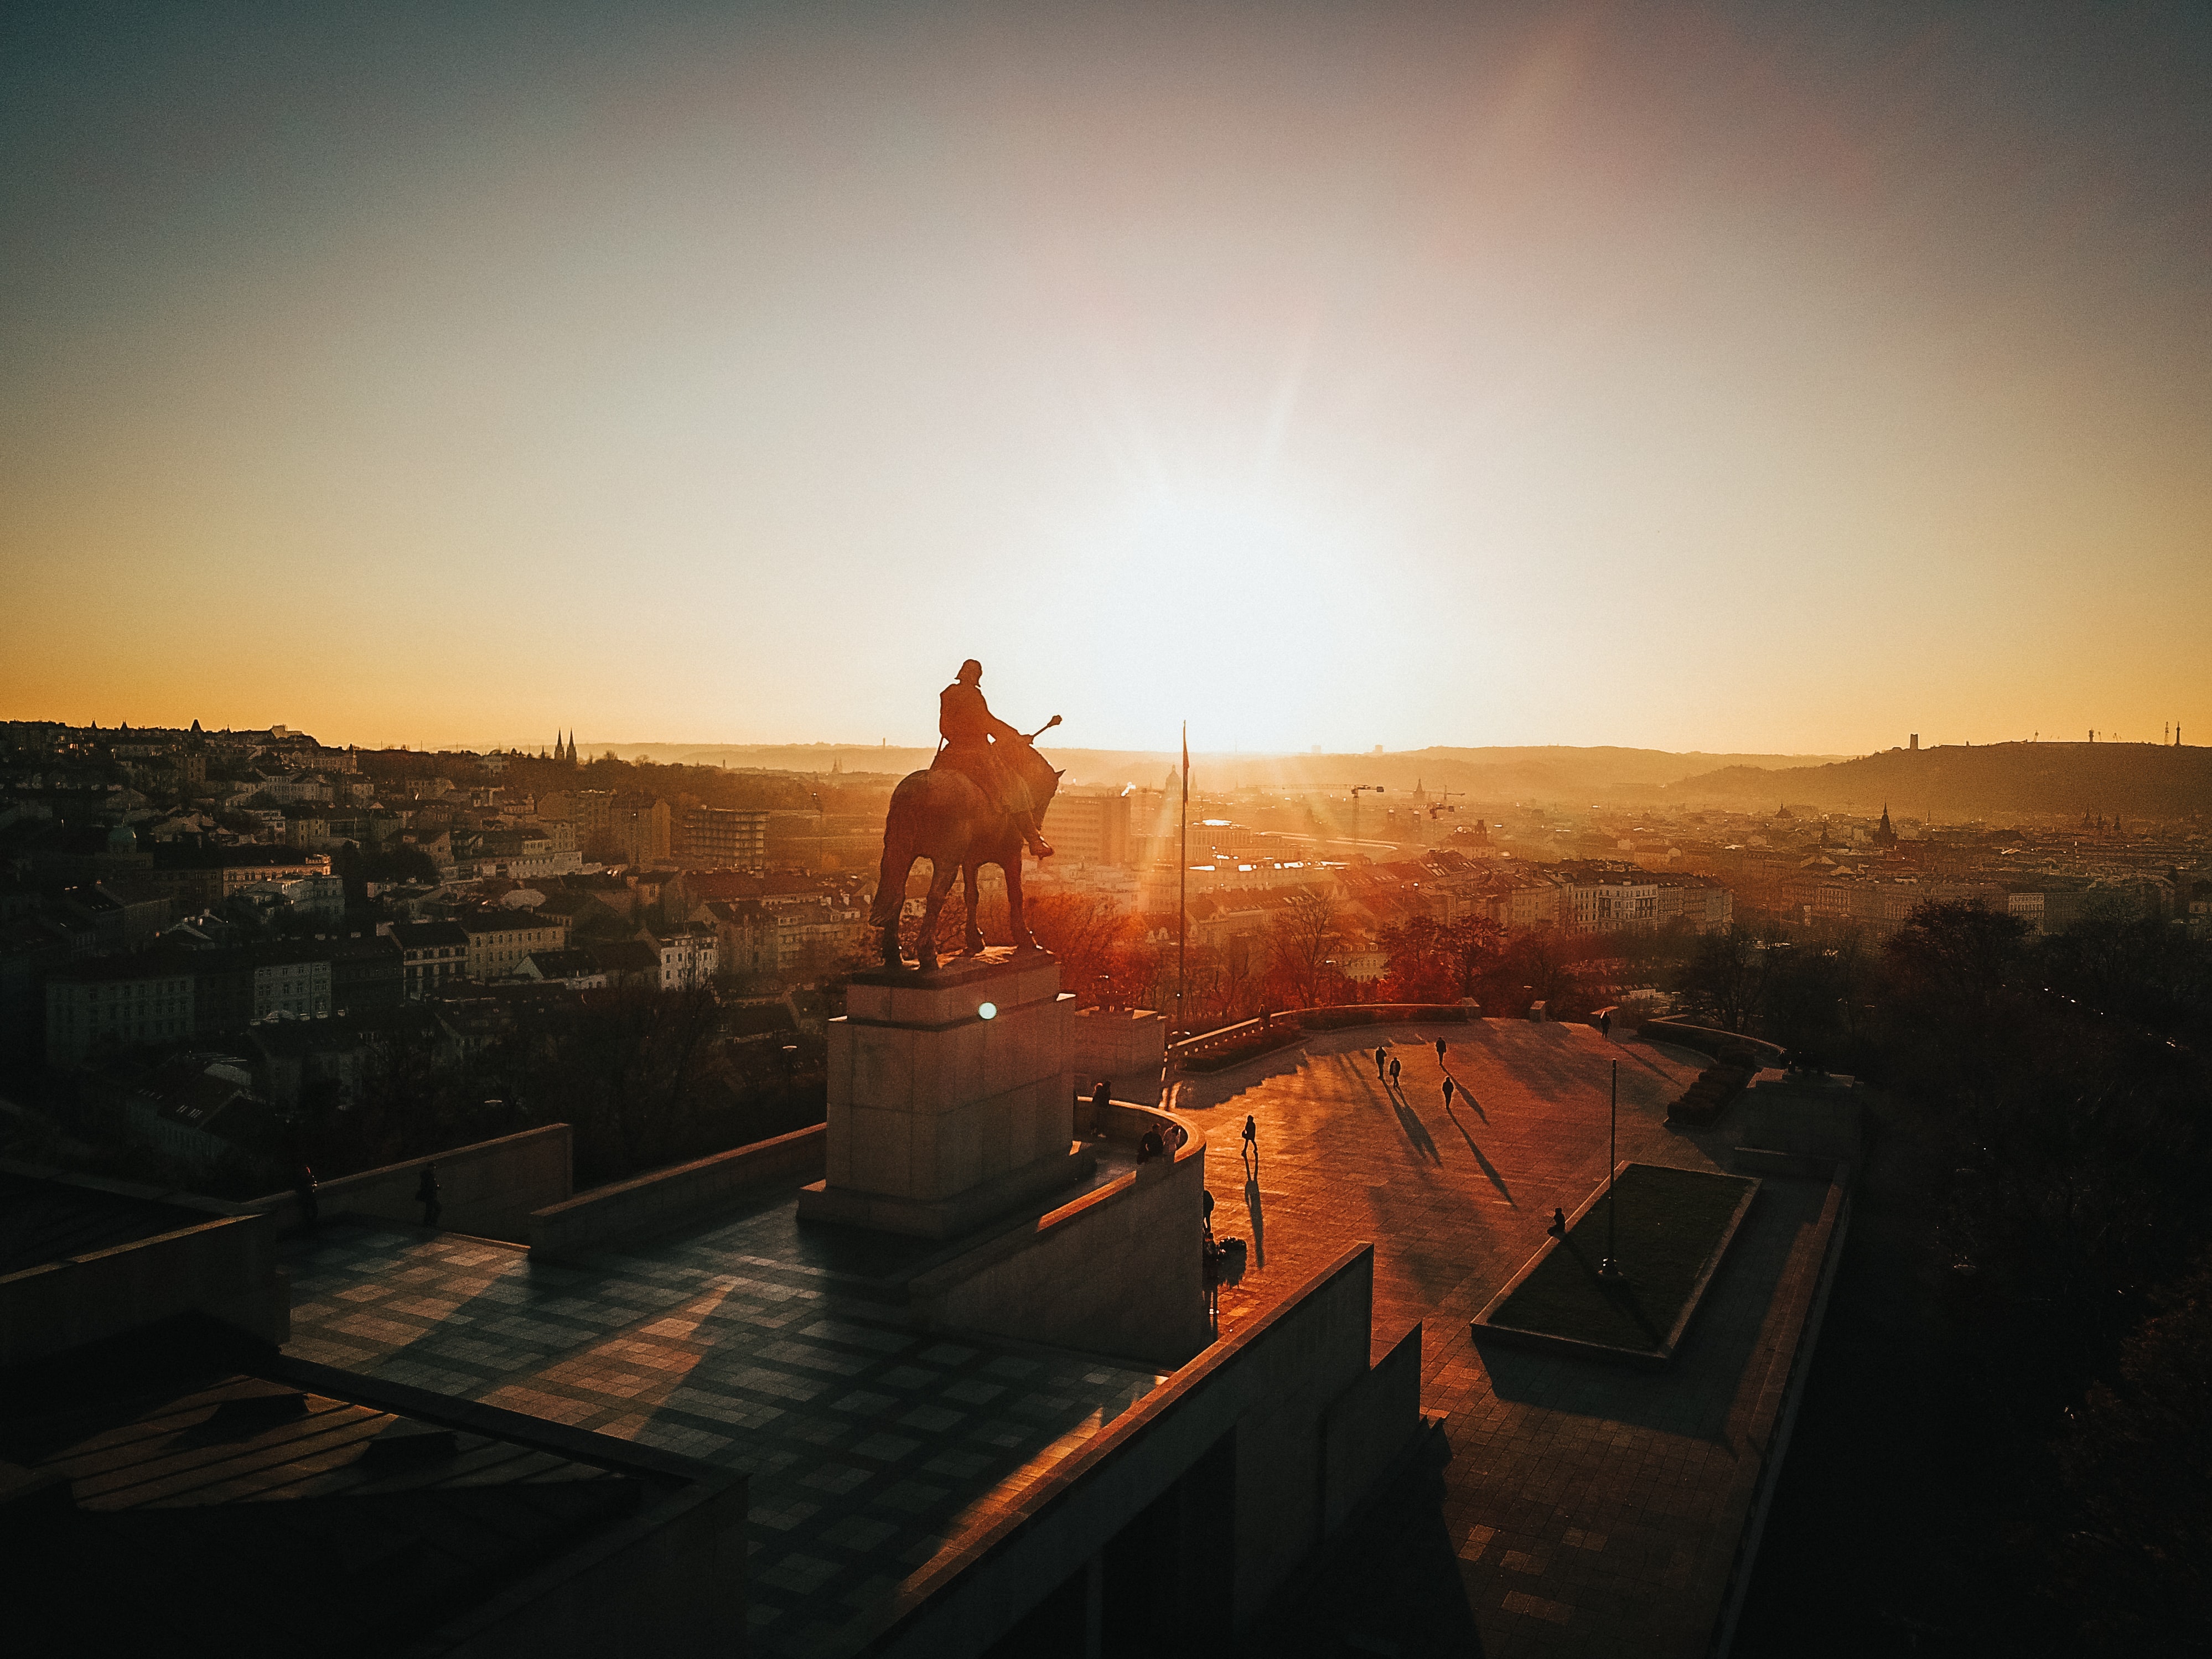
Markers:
(1038, 774)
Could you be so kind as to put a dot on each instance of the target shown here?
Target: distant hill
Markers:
(1554, 773)
(2128, 779)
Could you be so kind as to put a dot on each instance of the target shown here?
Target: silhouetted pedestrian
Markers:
(1379, 1058)
(426, 1194)
(303, 1185)
(1150, 1147)
(1448, 1093)
(1559, 1227)
(1251, 1150)
(1440, 1051)
(1394, 1073)
(1605, 1024)
(1101, 1099)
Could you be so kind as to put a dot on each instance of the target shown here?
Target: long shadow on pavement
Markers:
(1488, 1168)
(1410, 1124)
(1259, 1217)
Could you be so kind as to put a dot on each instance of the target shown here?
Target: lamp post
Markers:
(1182, 889)
(1610, 1268)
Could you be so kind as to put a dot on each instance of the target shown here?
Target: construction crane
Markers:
(1441, 805)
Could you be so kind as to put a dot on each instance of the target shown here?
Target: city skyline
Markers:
(1684, 377)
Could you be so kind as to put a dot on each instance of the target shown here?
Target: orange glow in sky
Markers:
(1711, 377)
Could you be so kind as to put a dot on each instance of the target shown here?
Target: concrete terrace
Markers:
(1585, 1509)
(871, 1447)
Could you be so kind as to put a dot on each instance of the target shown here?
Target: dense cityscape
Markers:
(217, 942)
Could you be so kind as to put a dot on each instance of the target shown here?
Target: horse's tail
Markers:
(898, 852)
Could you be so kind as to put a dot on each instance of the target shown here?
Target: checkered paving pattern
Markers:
(871, 1447)
(1589, 1511)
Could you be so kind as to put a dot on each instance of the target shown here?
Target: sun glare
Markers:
(1215, 590)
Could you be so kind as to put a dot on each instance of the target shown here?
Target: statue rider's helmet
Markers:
(971, 672)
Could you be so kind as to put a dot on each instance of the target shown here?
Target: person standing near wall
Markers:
(303, 1185)
(426, 1194)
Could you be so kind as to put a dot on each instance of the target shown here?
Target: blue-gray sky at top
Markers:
(1694, 376)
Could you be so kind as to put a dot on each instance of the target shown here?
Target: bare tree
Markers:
(1301, 939)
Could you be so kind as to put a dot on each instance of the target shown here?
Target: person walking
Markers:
(426, 1194)
(1448, 1093)
(1559, 1227)
(1379, 1058)
(1251, 1149)
(1440, 1051)
(1101, 1099)
(1394, 1073)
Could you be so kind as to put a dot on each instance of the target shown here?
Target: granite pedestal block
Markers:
(940, 1116)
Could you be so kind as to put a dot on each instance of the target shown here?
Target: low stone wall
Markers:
(674, 1197)
(1707, 1039)
(225, 1267)
(1232, 1045)
(488, 1188)
(1117, 1272)
(1799, 1166)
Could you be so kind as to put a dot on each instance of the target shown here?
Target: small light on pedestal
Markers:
(989, 1010)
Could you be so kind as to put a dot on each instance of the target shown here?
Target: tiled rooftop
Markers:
(749, 1343)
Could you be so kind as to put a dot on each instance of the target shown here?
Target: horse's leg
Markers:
(1012, 868)
(890, 897)
(969, 873)
(941, 872)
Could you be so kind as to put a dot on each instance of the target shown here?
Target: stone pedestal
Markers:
(941, 1115)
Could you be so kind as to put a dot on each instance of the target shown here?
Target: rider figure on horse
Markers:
(969, 730)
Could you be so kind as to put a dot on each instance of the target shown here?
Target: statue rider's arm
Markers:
(1002, 732)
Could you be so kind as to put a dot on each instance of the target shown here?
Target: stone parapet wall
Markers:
(489, 1188)
(673, 1197)
(225, 1267)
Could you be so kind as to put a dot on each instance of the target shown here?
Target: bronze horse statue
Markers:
(942, 816)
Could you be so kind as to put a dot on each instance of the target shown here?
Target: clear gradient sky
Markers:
(1686, 376)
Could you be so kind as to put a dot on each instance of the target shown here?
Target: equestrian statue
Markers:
(979, 802)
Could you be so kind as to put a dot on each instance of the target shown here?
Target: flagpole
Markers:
(1183, 886)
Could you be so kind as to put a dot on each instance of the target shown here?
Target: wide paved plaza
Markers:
(1585, 1509)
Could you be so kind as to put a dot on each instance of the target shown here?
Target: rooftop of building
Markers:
(259, 1513)
(750, 1343)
